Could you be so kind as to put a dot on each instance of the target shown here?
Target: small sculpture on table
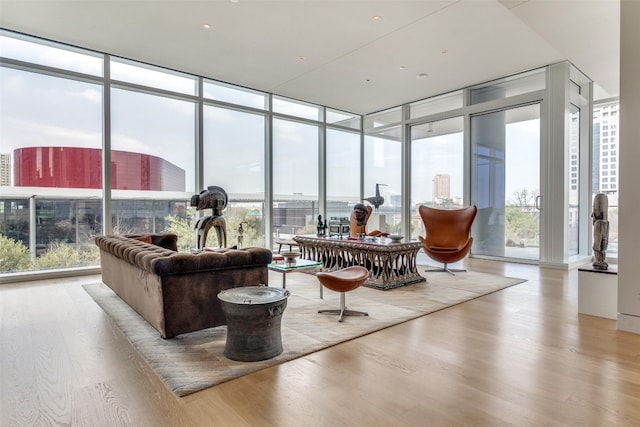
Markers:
(241, 234)
(322, 227)
(376, 200)
(600, 231)
(214, 198)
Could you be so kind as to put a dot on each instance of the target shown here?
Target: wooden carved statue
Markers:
(600, 231)
(358, 220)
(214, 198)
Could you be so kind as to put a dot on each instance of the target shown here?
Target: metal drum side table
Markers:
(254, 315)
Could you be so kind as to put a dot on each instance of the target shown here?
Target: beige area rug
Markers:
(195, 361)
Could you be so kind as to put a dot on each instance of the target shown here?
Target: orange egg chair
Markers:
(448, 234)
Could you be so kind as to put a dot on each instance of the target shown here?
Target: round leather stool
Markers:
(342, 281)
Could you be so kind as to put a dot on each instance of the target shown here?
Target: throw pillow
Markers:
(146, 239)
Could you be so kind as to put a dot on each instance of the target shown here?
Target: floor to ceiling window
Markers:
(50, 133)
(343, 172)
(295, 177)
(605, 164)
(152, 150)
(233, 158)
(383, 169)
(505, 147)
(437, 167)
(573, 225)
(171, 134)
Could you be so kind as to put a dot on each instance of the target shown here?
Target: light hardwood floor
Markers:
(521, 356)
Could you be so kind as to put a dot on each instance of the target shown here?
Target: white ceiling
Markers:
(351, 62)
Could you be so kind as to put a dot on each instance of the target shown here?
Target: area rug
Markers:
(195, 361)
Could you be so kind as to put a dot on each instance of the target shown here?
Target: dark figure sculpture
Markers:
(213, 197)
(600, 231)
(358, 222)
(377, 200)
(322, 226)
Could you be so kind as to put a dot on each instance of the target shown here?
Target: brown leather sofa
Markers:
(177, 292)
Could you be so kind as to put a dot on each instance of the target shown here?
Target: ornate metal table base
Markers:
(391, 264)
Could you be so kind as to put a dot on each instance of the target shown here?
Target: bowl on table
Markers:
(396, 237)
(289, 257)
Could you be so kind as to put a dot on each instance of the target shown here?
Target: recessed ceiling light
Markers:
(422, 76)
(376, 18)
(443, 51)
(402, 67)
(302, 58)
(367, 80)
(206, 26)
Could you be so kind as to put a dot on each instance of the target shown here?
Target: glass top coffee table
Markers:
(300, 265)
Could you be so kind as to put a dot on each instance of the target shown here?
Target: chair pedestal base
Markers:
(343, 311)
(446, 269)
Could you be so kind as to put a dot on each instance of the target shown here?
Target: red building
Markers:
(74, 167)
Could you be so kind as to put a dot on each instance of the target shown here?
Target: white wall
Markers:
(629, 155)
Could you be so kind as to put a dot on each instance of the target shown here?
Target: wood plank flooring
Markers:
(520, 357)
